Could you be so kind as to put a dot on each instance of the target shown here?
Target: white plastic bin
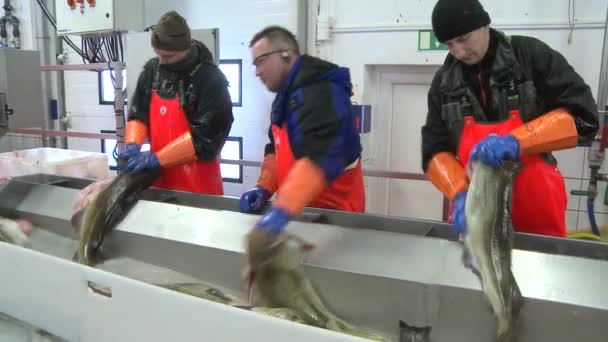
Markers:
(70, 163)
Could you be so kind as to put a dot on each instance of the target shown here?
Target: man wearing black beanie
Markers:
(182, 106)
(500, 97)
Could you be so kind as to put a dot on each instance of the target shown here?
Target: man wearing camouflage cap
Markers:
(182, 105)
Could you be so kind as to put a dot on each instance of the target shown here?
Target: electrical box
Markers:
(139, 51)
(104, 16)
(20, 89)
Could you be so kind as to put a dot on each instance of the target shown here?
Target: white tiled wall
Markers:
(11, 142)
(574, 166)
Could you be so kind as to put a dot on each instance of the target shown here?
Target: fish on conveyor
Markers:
(281, 283)
(408, 333)
(201, 291)
(281, 313)
(215, 295)
(105, 210)
(15, 232)
(88, 194)
(489, 240)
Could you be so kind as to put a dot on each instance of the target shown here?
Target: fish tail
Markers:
(506, 336)
(339, 325)
(86, 256)
(516, 297)
(504, 328)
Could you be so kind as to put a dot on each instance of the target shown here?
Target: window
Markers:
(233, 149)
(232, 69)
(106, 87)
(108, 146)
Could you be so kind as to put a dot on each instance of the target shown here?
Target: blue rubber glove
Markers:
(254, 200)
(458, 219)
(130, 151)
(494, 149)
(274, 221)
(144, 161)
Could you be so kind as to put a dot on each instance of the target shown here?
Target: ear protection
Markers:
(285, 55)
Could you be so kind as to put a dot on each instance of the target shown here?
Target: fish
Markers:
(15, 232)
(215, 295)
(408, 333)
(488, 240)
(281, 313)
(105, 210)
(276, 274)
(201, 291)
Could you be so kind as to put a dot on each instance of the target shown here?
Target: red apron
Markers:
(168, 122)
(539, 193)
(346, 193)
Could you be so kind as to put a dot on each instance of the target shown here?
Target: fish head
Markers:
(510, 168)
(265, 249)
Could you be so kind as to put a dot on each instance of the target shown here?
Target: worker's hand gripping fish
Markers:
(282, 284)
(489, 240)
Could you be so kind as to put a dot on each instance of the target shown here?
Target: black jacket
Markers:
(518, 72)
(203, 94)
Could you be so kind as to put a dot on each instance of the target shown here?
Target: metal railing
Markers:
(247, 163)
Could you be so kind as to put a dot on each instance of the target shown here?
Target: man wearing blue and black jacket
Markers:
(313, 158)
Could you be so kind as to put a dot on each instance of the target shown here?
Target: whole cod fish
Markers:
(489, 240)
(201, 291)
(15, 232)
(105, 210)
(215, 295)
(282, 284)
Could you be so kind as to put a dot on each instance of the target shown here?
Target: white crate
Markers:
(69, 163)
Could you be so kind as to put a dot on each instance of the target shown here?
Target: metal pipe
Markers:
(59, 82)
(602, 94)
(67, 67)
(247, 163)
(71, 134)
(42, 45)
(119, 104)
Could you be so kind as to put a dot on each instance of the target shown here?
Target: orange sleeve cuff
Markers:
(136, 132)
(179, 151)
(446, 173)
(268, 173)
(552, 131)
(304, 184)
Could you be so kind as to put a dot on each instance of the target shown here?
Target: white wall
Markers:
(236, 29)
(238, 21)
(386, 33)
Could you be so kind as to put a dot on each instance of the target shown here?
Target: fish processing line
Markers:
(371, 270)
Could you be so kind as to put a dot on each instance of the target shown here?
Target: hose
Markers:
(584, 236)
(591, 214)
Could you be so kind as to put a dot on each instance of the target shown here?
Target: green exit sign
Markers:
(428, 41)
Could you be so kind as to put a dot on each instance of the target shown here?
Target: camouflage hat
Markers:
(171, 33)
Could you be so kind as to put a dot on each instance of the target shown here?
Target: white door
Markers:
(402, 104)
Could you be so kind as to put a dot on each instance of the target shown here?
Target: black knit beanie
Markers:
(171, 33)
(453, 18)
